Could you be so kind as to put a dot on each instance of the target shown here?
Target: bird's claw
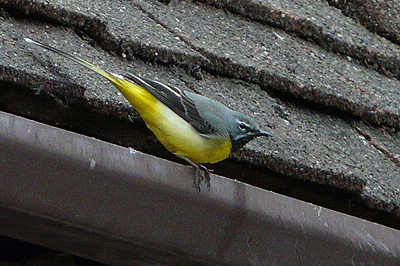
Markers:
(199, 176)
(202, 173)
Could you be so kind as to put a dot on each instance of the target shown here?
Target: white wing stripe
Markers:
(175, 91)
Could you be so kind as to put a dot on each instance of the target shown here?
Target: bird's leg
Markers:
(198, 177)
(206, 175)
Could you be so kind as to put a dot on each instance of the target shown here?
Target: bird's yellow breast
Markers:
(178, 136)
(174, 133)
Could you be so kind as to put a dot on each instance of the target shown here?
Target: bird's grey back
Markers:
(215, 113)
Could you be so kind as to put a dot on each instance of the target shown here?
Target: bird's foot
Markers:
(202, 173)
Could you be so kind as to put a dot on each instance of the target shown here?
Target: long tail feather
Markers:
(78, 60)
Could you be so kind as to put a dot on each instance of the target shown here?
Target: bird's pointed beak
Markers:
(263, 133)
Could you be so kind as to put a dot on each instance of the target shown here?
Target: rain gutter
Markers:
(119, 206)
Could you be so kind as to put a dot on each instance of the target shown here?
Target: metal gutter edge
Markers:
(118, 206)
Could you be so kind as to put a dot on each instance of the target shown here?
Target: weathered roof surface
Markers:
(325, 85)
(381, 17)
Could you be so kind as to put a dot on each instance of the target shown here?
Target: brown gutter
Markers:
(118, 206)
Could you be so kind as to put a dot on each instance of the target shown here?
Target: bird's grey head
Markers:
(243, 130)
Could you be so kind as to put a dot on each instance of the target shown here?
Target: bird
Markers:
(193, 127)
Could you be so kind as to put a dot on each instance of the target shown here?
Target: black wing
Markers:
(177, 100)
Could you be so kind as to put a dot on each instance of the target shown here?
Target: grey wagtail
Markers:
(193, 127)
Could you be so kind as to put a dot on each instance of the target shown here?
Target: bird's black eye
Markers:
(242, 126)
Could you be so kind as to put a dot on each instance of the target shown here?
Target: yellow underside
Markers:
(178, 136)
(174, 133)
